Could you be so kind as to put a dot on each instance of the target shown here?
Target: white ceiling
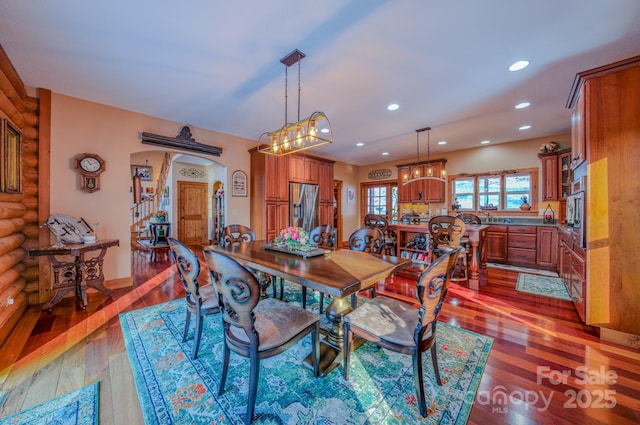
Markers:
(216, 64)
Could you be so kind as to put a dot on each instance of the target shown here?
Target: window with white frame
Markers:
(499, 190)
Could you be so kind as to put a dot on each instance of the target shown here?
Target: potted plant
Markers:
(525, 203)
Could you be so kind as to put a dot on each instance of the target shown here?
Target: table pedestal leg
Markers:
(331, 347)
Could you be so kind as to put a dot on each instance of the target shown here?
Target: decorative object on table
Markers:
(79, 407)
(67, 228)
(92, 237)
(145, 172)
(548, 215)
(155, 333)
(89, 167)
(525, 204)
(552, 287)
(306, 133)
(10, 148)
(160, 217)
(239, 183)
(294, 238)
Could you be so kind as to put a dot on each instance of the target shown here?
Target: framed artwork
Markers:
(238, 183)
(145, 172)
(351, 195)
(10, 181)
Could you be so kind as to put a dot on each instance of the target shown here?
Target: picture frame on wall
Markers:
(10, 178)
(238, 183)
(143, 171)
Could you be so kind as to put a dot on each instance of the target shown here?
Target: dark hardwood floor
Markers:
(545, 366)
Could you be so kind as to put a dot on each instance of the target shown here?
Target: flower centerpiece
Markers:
(294, 238)
(160, 216)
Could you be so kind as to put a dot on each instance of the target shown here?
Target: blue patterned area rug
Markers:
(552, 287)
(78, 407)
(173, 389)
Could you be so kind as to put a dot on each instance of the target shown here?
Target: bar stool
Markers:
(446, 235)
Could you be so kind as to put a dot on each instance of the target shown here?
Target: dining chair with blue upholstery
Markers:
(400, 327)
(256, 328)
(201, 300)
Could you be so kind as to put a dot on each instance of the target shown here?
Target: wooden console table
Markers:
(79, 274)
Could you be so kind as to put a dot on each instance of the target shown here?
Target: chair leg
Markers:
(346, 352)
(304, 297)
(434, 360)
(419, 382)
(315, 349)
(225, 368)
(254, 372)
(197, 337)
(187, 322)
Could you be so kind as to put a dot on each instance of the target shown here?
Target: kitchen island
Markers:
(413, 243)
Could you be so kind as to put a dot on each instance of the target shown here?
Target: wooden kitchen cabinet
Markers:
(578, 130)
(269, 196)
(276, 217)
(556, 175)
(276, 178)
(547, 250)
(325, 180)
(606, 156)
(497, 244)
(303, 169)
(404, 191)
(421, 191)
(521, 245)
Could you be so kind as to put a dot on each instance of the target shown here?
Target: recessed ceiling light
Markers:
(485, 142)
(385, 153)
(442, 142)
(393, 107)
(359, 144)
(324, 130)
(519, 65)
(524, 127)
(522, 105)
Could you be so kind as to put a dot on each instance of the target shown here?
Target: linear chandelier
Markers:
(417, 173)
(306, 133)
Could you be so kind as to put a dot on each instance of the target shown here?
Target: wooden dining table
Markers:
(338, 273)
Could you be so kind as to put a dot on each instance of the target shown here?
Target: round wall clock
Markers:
(89, 166)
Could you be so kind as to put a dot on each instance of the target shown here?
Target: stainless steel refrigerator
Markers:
(304, 205)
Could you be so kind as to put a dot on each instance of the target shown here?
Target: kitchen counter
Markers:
(424, 222)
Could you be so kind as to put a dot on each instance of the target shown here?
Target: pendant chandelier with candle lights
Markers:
(306, 133)
(429, 171)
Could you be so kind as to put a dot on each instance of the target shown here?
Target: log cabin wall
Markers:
(19, 213)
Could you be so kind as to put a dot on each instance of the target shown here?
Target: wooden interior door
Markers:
(192, 212)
